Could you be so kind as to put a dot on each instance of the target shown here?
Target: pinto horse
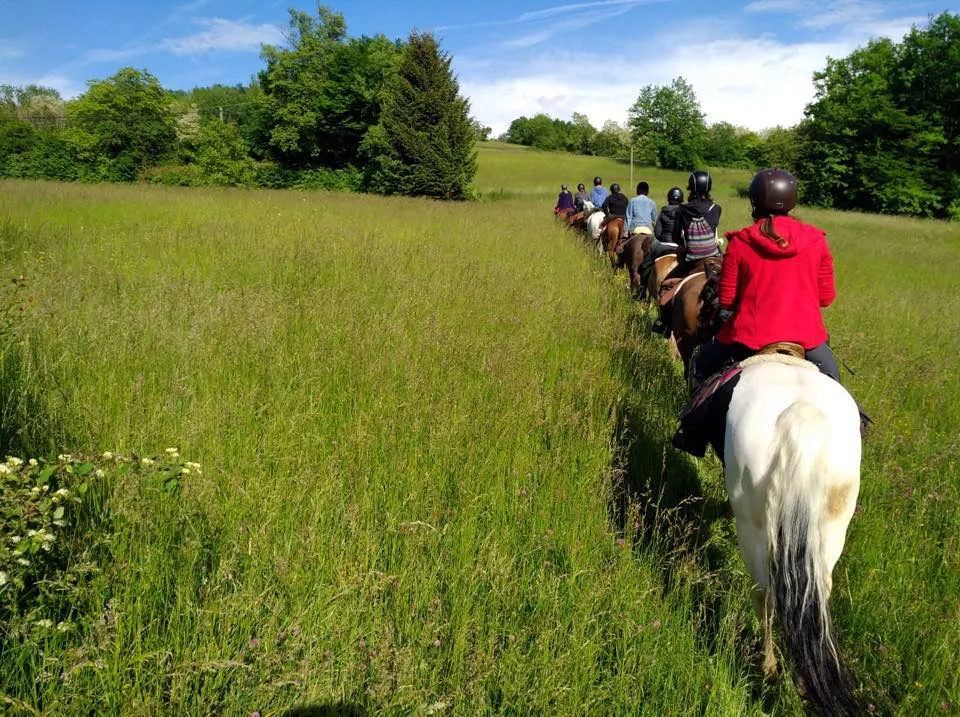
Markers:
(792, 470)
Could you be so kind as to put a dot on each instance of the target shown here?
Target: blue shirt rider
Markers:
(599, 193)
(642, 210)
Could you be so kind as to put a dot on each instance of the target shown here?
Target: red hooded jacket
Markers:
(776, 292)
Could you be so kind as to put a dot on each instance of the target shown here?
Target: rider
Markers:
(599, 193)
(776, 275)
(663, 229)
(695, 228)
(641, 210)
(614, 206)
(564, 201)
(662, 242)
(580, 197)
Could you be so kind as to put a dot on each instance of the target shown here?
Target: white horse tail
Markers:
(800, 579)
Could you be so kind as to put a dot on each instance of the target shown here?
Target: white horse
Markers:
(593, 225)
(792, 467)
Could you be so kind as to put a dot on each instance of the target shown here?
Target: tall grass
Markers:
(436, 466)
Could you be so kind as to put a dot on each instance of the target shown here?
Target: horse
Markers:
(630, 256)
(681, 302)
(611, 237)
(792, 470)
(593, 225)
(662, 266)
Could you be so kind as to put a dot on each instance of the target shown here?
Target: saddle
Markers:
(704, 419)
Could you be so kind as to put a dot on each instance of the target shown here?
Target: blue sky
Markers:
(750, 62)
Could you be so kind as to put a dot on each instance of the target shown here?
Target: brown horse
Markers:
(686, 306)
(662, 266)
(630, 256)
(610, 236)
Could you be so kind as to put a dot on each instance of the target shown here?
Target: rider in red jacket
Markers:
(776, 276)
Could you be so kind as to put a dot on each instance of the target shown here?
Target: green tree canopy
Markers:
(126, 120)
(323, 91)
(667, 126)
(882, 132)
(425, 143)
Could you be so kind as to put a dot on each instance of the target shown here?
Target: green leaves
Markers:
(426, 146)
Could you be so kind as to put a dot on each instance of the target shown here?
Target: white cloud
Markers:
(751, 81)
(551, 12)
(221, 34)
(754, 83)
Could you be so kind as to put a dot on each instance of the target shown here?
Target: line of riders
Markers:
(763, 293)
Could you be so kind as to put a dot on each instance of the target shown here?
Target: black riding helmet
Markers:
(597, 181)
(615, 188)
(772, 191)
(699, 182)
(675, 196)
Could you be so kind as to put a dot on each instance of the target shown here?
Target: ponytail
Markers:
(769, 232)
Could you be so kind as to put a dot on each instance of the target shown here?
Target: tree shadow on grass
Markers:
(659, 496)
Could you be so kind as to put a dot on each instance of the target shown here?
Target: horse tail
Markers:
(799, 576)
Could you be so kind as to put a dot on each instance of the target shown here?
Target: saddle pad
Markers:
(670, 287)
(777, 358)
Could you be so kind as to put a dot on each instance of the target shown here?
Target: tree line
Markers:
(881, 134)
(326, 111)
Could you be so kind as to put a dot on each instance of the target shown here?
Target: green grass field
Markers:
(436, 472)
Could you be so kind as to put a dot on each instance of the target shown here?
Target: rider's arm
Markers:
(658, 227)
(629, 218)
(729, 276)
(825, 284)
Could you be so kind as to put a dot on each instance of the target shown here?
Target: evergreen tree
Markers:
(424, 144)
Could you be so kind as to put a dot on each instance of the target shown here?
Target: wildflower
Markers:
(884, 649)
(63, 626)
(62, 493)
(23, 561)
(99, 473)
(4, 468)
(193, 466)
(107, 455)
(147, 461)
(64, 458)
(4, 578)
(32, 462)
(173, 452)
(45, 623)
(254, 642)
(15, 539)
(436, 643)
(35, 491)
(14, 461)
(621, 542)
(184, 471)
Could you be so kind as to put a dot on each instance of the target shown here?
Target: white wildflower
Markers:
(23, 561)
(184, 471)
(63, 626)
(35, 491)
(31, 533)
(45, 623)
(32, 462)
(64, 458)
(14, 461)
(193, 466)
(147, 461)
(99, 473)
(4, 468)
(63, 493)
(4, 578)
(107, 455)
(15, 539)
(173, 452)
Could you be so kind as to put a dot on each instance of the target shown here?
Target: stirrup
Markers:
(659, 327)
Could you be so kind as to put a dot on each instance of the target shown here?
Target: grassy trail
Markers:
(436, 473)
